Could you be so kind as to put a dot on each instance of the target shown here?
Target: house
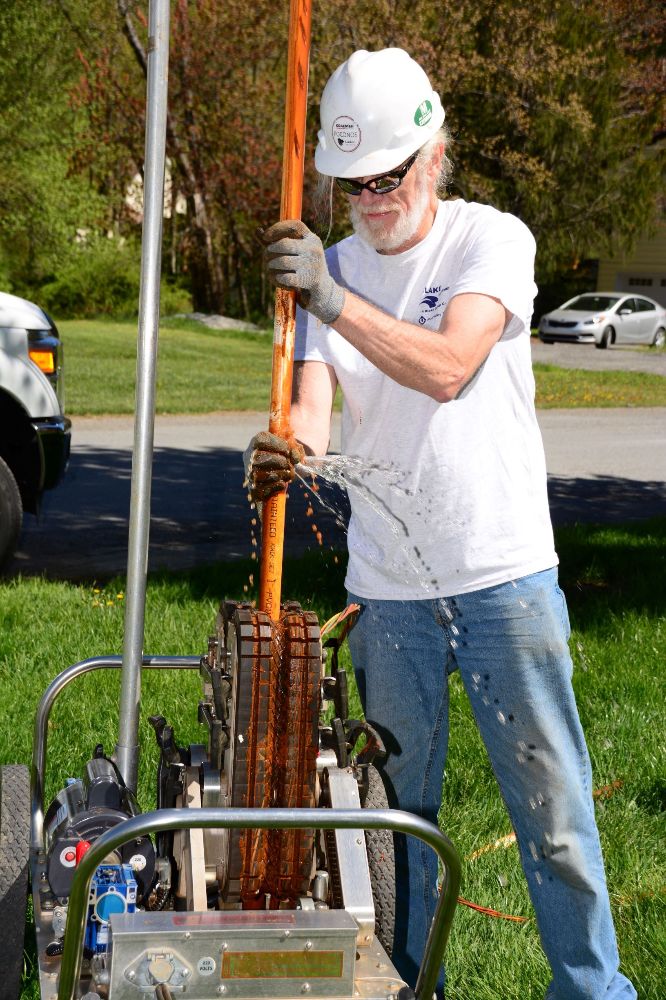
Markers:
(643, 272)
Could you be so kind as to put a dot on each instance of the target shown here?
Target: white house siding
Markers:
(644, 272)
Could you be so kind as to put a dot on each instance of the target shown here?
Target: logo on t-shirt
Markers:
(432, 306)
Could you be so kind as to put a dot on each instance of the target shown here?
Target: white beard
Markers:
(399, 227)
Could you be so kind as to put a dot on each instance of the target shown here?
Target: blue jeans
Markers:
(510, 644)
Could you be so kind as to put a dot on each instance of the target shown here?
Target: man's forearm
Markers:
(437, 363)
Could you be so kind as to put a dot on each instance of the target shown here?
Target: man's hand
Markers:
(270, 464)
(295, 259)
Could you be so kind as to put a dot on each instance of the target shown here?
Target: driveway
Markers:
(587, 356)
(604, 465)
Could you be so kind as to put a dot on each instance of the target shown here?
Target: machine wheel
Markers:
(607, 338)
(14, 848)
(11, 514)
(381, 861)
(659, 338)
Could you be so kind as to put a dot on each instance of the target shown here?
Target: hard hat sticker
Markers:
(346, 134)
(423, 113)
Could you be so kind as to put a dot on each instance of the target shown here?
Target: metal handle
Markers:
(280, 819)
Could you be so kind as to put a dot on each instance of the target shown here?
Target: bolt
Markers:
(359, 841)
(368, 937)
(225, 946)
(188, 935)
(287, 934)
(221, 990)
(305, 988)
(131, 974)
(308, 945)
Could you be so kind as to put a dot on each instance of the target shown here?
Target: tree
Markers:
(42, 204)
(554, 107)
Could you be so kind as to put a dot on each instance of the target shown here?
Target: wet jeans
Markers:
(510, 645)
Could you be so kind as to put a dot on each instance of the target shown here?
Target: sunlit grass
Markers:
(202, 371)
(573, 387)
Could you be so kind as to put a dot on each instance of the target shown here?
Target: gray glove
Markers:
(295, 259)
(270, 463)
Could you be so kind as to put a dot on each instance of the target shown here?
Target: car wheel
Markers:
(11, 514)
(14, 846)
(607, 338)
(659, 338)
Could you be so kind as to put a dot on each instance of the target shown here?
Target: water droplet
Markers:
(538, 878)
(454, 630)
(476, 678)
(533, 850)
(501, 718)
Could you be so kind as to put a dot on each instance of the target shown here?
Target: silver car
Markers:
(605, 318)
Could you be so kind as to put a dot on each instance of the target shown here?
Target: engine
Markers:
(82, 812)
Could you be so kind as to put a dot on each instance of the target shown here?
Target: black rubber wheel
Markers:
(659, 338)
(14, 846)
(11, 514)
(607, 338)
(381, 861)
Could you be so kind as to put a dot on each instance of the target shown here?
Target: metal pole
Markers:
(282, 819)
(293, 161)
(127, 748)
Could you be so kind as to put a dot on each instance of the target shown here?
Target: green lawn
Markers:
(614, 581)
(201, 371)
(198, 370)
(573, 387)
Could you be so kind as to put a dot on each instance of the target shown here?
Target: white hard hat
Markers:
(376, 110)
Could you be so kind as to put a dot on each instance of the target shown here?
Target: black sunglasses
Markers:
(381, 184)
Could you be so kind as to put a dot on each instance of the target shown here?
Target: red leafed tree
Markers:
(224, 132)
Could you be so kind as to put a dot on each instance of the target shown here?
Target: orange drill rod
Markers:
(272, 535)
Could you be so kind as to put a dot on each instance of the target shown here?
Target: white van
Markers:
(34, 431)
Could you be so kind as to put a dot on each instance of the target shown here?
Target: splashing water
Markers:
(373, 485)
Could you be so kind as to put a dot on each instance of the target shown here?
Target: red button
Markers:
(70, 856)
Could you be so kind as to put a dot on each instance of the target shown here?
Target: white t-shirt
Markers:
(450, 497)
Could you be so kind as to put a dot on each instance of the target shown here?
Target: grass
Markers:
(203, 371)
(198, 370)
(567, 387)
(613, 578)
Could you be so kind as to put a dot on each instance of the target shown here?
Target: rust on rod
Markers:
(291, 202)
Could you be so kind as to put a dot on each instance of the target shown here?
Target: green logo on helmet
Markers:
(423, 113)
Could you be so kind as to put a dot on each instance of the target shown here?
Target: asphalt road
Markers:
(587, 356)
(604, 465)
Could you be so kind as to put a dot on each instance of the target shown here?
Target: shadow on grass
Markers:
(613, 568)
(602, 568)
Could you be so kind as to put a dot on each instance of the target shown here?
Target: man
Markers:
(423, 318)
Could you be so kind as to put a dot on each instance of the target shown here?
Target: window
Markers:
(640, 282)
